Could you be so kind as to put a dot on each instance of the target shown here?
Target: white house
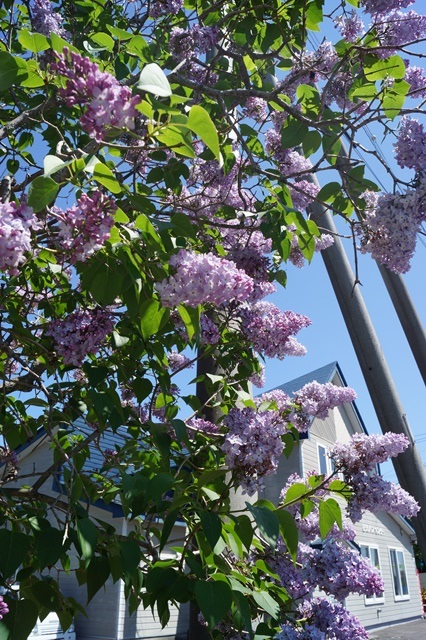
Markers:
(384, 538)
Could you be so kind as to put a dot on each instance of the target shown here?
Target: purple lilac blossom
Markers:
(184, 43)
(84, 228)
(375, 7)
(204, 279)
(4, 609)
(332, 619)
(317, 399)
(204, 426)
(178, 361)
(108, 104)
(16, 222)
(364, 453)
(210, 334)
(258, 379)
(350, 26)
(160, 8)
(253, 445)
(79, 334)
(271, 331)
(45, 20)
(416, 78)
(256, 108)
(390, 226)
(410, 147)
(399, 29)
(303, 193)
(373, 493)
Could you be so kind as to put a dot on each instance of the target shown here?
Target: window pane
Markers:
(322, 458)
(374, 557)
(402, 573)
(364, 551)
(395, 572)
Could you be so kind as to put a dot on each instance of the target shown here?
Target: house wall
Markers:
(383, 531)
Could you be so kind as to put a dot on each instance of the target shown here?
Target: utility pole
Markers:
(389, 410)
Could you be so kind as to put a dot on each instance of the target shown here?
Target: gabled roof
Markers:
(322, 375)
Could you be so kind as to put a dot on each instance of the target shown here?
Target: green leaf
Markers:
(42, 192)
(97, 574)
(296, 491)
(243, 611)
(153, 80)
(20, 620)
(34, 42)
(311, 143)
(393, 101)
(267, 523)
(383, 67)
(152, 315)
(9, 70)
(214, 600)
(202, 125)
(52, 164)
(177, 139)
(244, 530)
(104, 40)
(106, 178)
(191, 319)
(267, 603)
(49, 547)
(87, 536)
(289, 531)
(212, 527)
(46, 595)
(14, 546)
(293, 133)
(329, 513)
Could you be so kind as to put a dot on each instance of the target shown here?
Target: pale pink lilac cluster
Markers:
(253, 445)
(364, 453)
(16, 223)
(108, 104)
(318, 400)
(178, 361)
(410, 147)
(390, 226)
(84, 228)
(79, 334)
(45, 19)
(271, 331)
(373, 493)
(204, 279)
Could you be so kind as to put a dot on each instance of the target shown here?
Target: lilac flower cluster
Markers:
(204, 426)
(253, 445)
(350, 26)
(184, 43)
(80, 334)
(375, 7)
(178, 361)
(390, 226)
(108, 104)
(317, 399)
(271, 331)
(296, 256)
(204, 279)
(290, 162)
(373, 493)
(364, 453)
(210, 334)
(256, 108)
(16, 222)
(160, 8)
(336, 569)
(398, 29)
(331, 619)
(45, 20)
(4, 609)
(84, 228)
(416, 78)
(258, 379)
(303, 193)
(410, 147)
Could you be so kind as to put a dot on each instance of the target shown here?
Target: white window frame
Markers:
(374, 599)
(397, 576)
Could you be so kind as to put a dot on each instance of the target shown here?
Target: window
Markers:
(399, 574)
(372, 553)
(323, 460)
